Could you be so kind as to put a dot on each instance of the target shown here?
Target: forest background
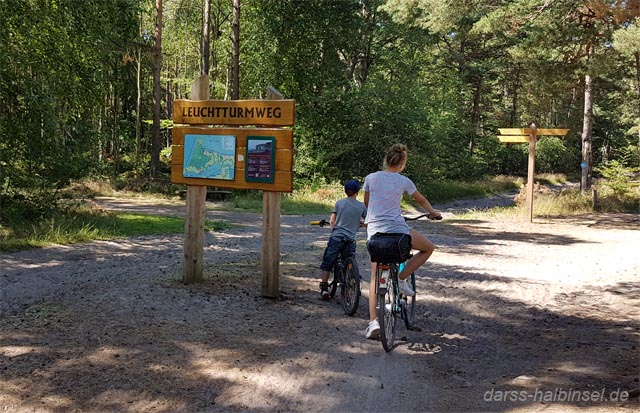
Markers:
(87, 86)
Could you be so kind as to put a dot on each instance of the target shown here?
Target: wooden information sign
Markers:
(261, 157)
(282, 158)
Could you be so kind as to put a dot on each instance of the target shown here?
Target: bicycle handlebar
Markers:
(322, 223)
(428, 215)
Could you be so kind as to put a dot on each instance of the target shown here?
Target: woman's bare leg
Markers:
(373, 293)
(424, 246)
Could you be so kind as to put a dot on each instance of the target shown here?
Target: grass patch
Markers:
(306, 201)
(84, 225)
(566, 203)
(512, 213)
(320, 200)
(445, 191)
(551, 179)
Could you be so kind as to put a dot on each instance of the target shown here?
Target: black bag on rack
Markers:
(389, 248)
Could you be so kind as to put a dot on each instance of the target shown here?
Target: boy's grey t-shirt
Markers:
(348, 212)
(385, 193)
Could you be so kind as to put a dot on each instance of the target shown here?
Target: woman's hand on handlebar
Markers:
(435, 215)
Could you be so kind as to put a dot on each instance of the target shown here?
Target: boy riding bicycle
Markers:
(347, 216)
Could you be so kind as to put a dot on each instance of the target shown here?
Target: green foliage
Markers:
(56, 66)
(439, 76)
(553, 155)
(617, 178)
(627, 38)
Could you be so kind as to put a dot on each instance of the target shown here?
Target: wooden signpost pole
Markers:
(533, 138)
(196, 201)
(271, 232)
(529, 135)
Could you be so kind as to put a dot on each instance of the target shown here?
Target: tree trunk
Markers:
(587, 127)
(114, 132)
(516, 90)
(235, 52)
(637, 56)
(475, 113)
(157, 64)
(206, 36)
(217, 20)
(138, 102)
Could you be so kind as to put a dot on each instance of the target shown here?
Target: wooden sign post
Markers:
(528, 135)
(259, 157)
(271, 232)
(196, 197)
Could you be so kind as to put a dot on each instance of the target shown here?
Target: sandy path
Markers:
(540, 311)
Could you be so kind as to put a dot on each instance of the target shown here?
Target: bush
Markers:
(552, 155)
(617, 178)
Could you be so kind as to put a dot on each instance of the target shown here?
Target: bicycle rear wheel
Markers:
(409, 307)
(387, 312)
(350, 287)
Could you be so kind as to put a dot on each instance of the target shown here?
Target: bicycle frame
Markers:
(345, 252)
(391, 304)
(345, 273)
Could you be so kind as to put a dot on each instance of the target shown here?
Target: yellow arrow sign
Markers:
(514, 139)
(554, 132)
(515, 131)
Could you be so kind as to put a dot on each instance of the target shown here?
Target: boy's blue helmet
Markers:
(352, 185)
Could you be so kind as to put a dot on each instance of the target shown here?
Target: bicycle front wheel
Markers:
(350, 287)
(386, 314)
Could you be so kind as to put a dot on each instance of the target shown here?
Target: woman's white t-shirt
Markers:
(385, 193)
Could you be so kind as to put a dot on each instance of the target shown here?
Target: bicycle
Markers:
(390, 252)
(346, 274)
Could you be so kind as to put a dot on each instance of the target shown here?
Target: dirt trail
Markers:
(513, 317)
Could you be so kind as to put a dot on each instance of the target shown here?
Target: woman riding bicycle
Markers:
(383, 192)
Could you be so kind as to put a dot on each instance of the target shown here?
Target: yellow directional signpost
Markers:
(528, 135)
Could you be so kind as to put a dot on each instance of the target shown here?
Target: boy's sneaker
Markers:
(373, 330)
(324, 291)
(406, 289)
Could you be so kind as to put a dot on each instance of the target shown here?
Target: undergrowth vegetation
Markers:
(27, 222)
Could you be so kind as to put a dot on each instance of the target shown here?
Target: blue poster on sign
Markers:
(209, 156)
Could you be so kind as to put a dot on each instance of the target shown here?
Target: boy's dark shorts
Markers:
(331, 253)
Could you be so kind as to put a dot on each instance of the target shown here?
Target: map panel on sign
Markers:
(209, 156)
